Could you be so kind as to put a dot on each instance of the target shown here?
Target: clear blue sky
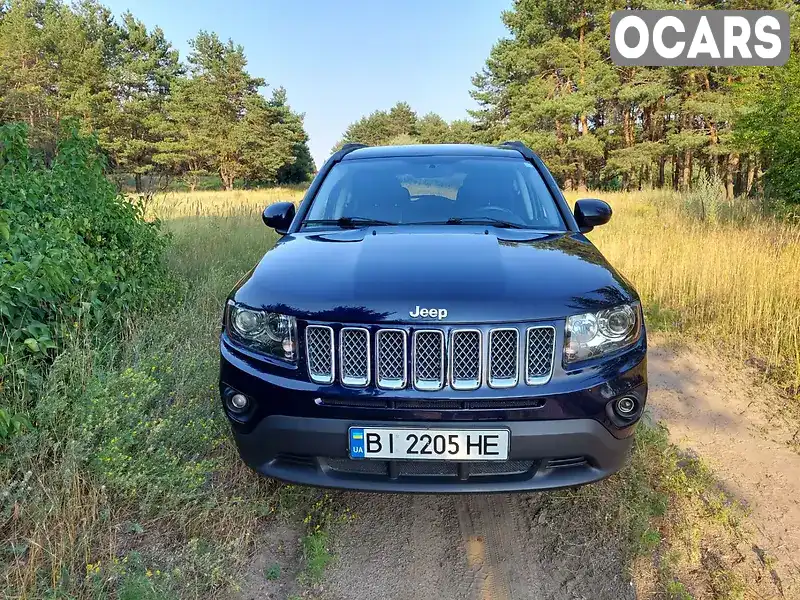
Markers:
(342, 59)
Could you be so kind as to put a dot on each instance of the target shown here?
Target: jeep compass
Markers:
(434, 319)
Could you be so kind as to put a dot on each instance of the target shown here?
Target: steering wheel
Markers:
(506, 212)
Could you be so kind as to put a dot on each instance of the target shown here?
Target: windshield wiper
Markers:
(473, 221)
(348, 222)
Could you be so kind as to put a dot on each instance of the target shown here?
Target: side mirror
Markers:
(279, 216)
(590, 212)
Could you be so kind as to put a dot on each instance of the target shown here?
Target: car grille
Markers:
(354, 344)
(503, 357)
(465, 359)
(391, 358)
(319, 353)
(425, 468)
(430, 359)
(539, 345)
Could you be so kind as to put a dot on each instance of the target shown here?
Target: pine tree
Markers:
(145, 72)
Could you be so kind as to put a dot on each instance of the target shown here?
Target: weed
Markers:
(273, 572)
(315, 555)
(727, 585)
(12, 425)
(675, 590)
(74, 253)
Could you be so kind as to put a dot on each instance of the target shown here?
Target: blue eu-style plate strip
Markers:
(356, 442)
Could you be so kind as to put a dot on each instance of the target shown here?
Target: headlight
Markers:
(264, 332)
(594, 334)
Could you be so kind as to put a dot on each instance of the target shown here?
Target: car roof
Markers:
(432, 150)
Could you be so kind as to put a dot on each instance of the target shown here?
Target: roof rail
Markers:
(521, 148)
(352, 146)
(347, 149)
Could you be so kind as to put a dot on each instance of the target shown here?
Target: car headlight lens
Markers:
(594, 334)
(268, 333)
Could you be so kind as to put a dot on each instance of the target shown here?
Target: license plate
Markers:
(429, 444)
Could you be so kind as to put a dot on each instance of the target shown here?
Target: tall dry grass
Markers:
(235, 204)
(732, 282)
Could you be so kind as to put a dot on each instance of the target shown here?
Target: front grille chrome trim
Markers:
(539, 379)
(390, 383)
(428, 384)
(461, 358)
(463, 384)
(313, 356)
(345, 346)
(496, 381)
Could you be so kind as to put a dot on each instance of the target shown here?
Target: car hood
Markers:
(477, 274)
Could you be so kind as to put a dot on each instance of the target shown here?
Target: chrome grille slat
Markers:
(354, 361)
(465, 359)
(462, 359)
(540, 346)
(503, 370)
(390, 358)
(319, 353)
(428, 360)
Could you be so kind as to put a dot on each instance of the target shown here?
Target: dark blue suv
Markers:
(433, 319)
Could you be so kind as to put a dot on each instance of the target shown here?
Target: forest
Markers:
(155, 117)
(549, 83)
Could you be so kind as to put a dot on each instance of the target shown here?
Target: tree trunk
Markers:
(676, 170)
(626, 127)
(730, 171)
(687, 171)
(584, 118)
(751, 174)
(227, 180)
(662, 161)
(137, 179)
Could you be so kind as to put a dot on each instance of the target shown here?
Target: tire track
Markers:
(479, 547)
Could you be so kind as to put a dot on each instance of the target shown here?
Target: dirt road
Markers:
(477, 547)
(504, 547)
(738, 427)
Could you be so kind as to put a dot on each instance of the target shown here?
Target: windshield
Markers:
(435, 189)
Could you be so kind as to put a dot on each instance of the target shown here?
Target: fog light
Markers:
(238, 402)
(625, 406)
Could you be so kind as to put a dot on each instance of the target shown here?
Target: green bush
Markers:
(74, 253)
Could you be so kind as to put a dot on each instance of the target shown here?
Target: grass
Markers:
(729, 282)
(678, 531)
(129, 430)
(129, 487)
(242, 204)
(273, 572)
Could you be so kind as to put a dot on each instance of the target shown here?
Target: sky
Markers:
(341, 60)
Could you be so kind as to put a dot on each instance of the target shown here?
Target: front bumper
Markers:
(542, 455)
(563, 434)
